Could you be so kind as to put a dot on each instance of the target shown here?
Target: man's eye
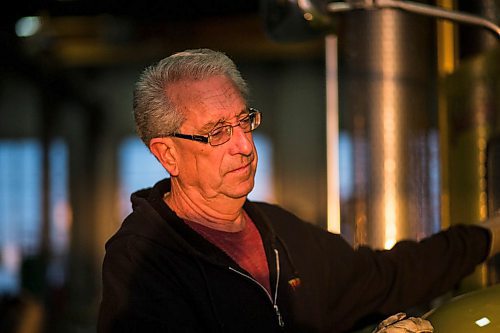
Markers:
(220, 131)
(245, 120)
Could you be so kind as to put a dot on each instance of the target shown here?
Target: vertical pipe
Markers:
(446, 62)
(332, 135)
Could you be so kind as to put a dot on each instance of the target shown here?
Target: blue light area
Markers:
(263, 189)
(20, 206)
(346, 175)
(21, 210)
(138, 169)
(435, 180)
(60, 207)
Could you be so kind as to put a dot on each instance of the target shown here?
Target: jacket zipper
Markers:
(281, 323)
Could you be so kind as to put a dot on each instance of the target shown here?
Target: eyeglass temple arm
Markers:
(198, 138)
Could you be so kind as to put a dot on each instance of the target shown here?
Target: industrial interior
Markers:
(381, 122)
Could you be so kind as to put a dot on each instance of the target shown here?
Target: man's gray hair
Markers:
(154, 112)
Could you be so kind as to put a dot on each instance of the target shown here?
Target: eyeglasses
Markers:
(222, 134)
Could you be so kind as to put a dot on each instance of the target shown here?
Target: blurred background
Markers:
(378, 123)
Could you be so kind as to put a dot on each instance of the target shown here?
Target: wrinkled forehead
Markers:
(206, 102)
(215, 92)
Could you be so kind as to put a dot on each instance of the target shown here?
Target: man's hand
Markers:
(398, 323)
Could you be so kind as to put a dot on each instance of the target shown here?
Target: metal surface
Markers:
(387, 105)
(475, 312)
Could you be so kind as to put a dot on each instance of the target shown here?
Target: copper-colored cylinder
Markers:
(387, 98)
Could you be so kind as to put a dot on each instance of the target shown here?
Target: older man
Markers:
(196, 255)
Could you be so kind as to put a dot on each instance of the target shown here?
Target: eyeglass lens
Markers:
(222, 134)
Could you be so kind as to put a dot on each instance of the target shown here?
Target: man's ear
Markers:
(165, 152)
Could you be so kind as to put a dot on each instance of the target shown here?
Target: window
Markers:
(21, 205)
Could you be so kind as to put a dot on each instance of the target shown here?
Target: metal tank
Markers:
(387, 103)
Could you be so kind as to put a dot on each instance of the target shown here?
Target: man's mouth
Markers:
(243, 168)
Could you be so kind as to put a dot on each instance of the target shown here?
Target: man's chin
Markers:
(241, 191)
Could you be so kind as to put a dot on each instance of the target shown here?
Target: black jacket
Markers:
(161, 276)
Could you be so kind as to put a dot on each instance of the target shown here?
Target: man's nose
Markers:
(242, 141)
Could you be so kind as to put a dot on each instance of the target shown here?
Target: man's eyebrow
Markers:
(212, 124)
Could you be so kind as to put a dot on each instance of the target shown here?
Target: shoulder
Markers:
(276, 215)
(290, 227)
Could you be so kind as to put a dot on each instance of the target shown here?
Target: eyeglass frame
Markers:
(206, 139)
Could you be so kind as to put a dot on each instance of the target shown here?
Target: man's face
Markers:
(213, 171)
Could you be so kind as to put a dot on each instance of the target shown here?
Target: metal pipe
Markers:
(412, 7)
(433, 11)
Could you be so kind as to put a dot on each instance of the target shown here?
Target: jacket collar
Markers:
(153, 219)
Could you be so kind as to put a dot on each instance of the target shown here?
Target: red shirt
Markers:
(245, 247)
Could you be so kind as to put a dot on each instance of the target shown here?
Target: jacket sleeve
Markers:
(139, 294)
(409, 274)
(357, 284)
